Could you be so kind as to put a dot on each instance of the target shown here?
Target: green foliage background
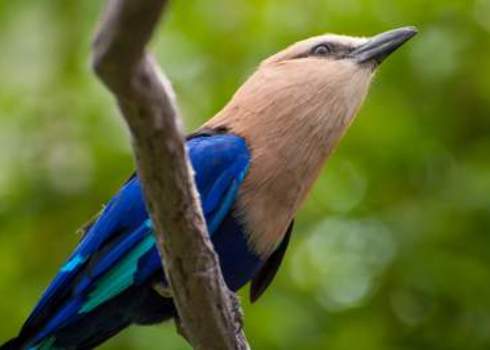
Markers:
(392, 248)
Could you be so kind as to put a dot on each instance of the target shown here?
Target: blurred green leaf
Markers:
(391, 249)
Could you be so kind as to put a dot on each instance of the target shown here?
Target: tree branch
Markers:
(207, 310)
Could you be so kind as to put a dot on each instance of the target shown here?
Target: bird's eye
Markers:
(321, 50)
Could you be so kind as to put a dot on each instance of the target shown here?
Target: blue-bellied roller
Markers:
(255, 162)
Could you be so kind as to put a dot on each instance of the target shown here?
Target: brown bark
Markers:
(209, 313)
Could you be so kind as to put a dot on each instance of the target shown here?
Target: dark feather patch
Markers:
(207, 132)
(268, 271)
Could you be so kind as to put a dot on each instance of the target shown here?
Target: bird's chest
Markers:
(271, 195)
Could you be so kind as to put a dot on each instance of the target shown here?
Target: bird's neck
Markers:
(289, 140)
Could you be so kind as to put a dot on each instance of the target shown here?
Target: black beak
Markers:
(382, 45)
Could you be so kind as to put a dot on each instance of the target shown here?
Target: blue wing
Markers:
(118, 250)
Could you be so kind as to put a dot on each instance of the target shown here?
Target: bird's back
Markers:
(108, 281)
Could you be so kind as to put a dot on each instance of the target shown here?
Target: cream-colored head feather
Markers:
(292, 112)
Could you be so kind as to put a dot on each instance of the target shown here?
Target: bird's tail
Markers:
(12, 344)
(134, 306)
(18, 343)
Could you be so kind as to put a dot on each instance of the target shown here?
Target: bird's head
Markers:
(332, 71)
(320, 81)
(365, 52)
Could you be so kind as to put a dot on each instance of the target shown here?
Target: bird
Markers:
(254, 164)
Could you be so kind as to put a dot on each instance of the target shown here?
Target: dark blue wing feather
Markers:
(121, 215)
(118, 250)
